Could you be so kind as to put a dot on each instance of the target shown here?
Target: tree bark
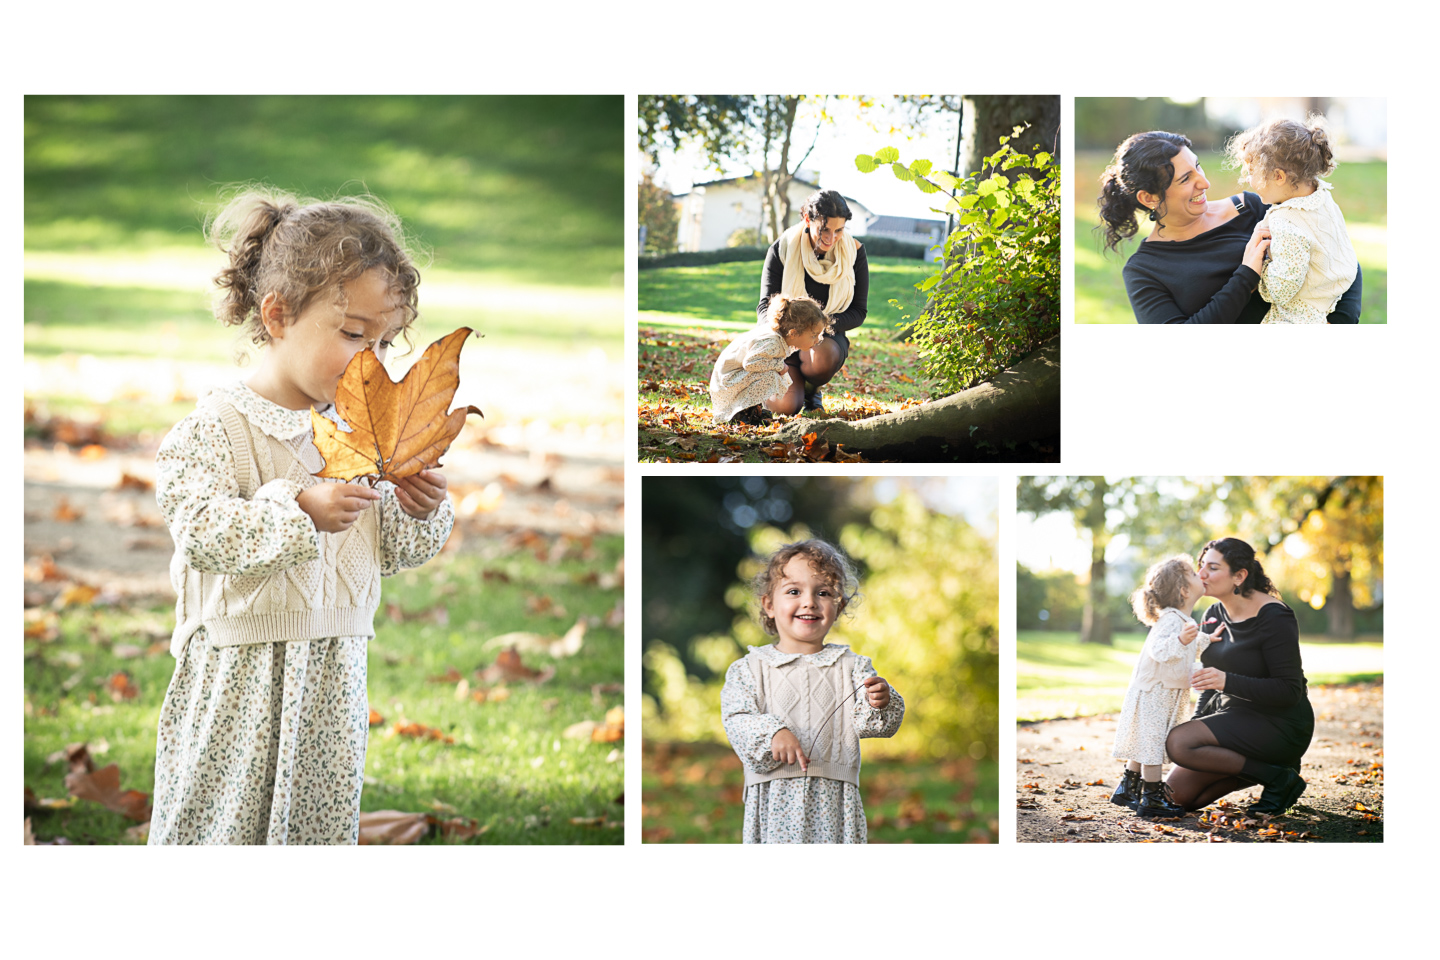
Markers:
(996, 116)
(1340, 606)
(1021, 403)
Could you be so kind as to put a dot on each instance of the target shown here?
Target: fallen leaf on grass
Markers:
(392, 828)
(41, 625)
(121, 687)
(508, 666)
(492, 695)
(77, 595)
(419, 731)
(451, 675)
(128, 481)
(375, 718)
(458, 828)
(42, 569)
(103, 786)
(566, 646)
(66, 513)
(396, 429)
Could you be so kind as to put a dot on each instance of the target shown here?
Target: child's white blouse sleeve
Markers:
(766, 353)
(406, 541)
(215, 529)
(1289, 263)
(870, 722)
(1163, 644)
(749, 730)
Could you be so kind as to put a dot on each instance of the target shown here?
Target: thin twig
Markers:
(816, 739)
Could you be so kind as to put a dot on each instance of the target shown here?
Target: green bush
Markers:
(997, 297)
(890, 247)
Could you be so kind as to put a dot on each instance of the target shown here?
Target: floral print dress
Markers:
(751, 369)
(263, 743)
(799, 809)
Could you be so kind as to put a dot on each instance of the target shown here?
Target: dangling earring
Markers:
(1153, 216)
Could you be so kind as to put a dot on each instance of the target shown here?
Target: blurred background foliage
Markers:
(1084, 543)
(927, 617)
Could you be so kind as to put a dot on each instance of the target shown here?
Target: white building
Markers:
(712, 212)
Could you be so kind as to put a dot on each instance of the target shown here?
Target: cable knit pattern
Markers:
(793, 807)
(263, 731)
(749, 370)
(1311, 262)
(1159, 694)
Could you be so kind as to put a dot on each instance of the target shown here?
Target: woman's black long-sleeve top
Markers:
(1261, 661)
(1202, 280)
(774, 273)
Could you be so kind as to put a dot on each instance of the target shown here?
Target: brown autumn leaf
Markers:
(420, 732)
(396, 429)
(508, 666)
(103, 786)
(392, 828)
(122, 687)
(66, 513)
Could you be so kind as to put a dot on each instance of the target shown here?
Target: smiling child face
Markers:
(804, 603)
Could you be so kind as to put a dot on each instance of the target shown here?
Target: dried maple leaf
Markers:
(103, 786)
(396, 429)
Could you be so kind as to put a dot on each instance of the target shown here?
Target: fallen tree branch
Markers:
(1019, 404)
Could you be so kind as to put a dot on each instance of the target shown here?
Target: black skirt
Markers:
(1256, 735)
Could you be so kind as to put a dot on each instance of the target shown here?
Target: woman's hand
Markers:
(1188, 634)
(334, 507)
(1208, 678)
(786, 748)
(877, 691)
(420, 493)
(1255, 250)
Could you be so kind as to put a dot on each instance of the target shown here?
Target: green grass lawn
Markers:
(509, 768)
(695, 793)
(1360, 191)
(722, 296)
(689, 314)
(1058, 676)
(522, 189)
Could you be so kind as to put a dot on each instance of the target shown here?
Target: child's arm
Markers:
(751, 732)
(405, 539)
(1284, 275)
(1164, 644)
(870, 720)
(214, 528)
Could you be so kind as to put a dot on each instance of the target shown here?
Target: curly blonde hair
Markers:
(826, 559)
(299, 249)
(1164, 586)
(790, 315)
(1302, 150)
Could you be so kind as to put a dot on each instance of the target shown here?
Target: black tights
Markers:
(1204, 771)
(817, 367)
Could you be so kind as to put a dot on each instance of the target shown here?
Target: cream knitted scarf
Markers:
(838, 272)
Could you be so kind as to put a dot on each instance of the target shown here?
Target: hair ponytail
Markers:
(1239, 556)
(241, 230)
(1141, 162)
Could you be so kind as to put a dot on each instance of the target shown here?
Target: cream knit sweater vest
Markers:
(334, 595)
(806, 696)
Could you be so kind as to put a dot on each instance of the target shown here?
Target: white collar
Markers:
(827, 655)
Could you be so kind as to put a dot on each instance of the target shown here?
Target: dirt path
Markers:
(1065, 776)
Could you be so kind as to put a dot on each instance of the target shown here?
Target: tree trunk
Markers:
(1019, 404)
(1095, 621)
(780, 185)
(1340, 606)
(996, 116)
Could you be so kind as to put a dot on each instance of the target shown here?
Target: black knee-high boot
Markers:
(1283, 787)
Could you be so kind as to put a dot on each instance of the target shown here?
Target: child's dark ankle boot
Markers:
(1157, 801)
(1127, 791)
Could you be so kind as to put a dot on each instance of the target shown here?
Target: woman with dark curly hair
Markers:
(1202, 261)
(818, 259)
(1254, 721)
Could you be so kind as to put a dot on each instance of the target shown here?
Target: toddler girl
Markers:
(751, 370)
(263, 729)
(1159, 694)
(1311, 263)
(795, 710)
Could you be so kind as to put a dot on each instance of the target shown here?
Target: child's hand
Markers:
(1188, 634)
(786, 748)
(334, 507)
(420, 493)
(877, 691)
(1255, 250)
(1214, 637)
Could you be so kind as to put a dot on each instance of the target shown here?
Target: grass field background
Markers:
(1058, 676)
